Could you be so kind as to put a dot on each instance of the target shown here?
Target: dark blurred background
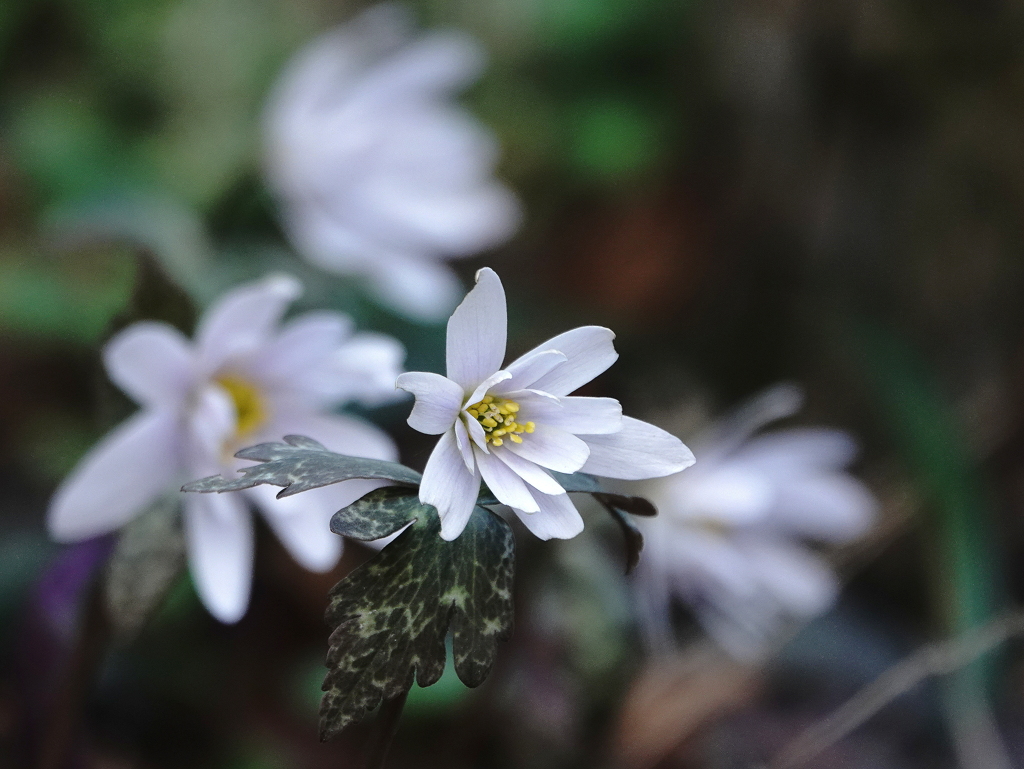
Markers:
(830, 193)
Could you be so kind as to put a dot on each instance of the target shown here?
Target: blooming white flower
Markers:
(379, 172)
(510, 425)
(243, 381)
(730, 535)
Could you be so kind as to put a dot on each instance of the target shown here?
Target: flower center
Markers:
(249, 407)
(498, 418)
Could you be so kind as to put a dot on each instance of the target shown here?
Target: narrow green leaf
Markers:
(300, 464)
(391, 615)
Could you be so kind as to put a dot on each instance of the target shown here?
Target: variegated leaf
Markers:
(391, 615)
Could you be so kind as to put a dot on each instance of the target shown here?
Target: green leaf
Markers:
(378, 514)
(300, 464)
(148, 557)
(391, 615)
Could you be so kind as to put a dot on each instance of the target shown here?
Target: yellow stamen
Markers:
(497, 416)
(250, 409)
(530, 427)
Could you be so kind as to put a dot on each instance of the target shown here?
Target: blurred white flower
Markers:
(379, 172)
(511, 425)
(731, 535)
(244, 380)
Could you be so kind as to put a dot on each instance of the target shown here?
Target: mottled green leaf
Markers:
(391, 615)
(378, 514)
(300, 464)
(148, 557)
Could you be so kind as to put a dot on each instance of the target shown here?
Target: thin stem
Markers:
(65, 716)
(942, 658)
(384, 730)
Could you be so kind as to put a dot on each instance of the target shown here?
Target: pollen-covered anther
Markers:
(498, 418)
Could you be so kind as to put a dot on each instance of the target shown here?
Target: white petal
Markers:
(424, 289)
(724, 494)
(211, 424)
(365, 368)
(558, 517)
(639, 450)
(118, 478)
(477, 331)
(830, 507)
(504, 483)
(799, 449)
(579, 416)
(482, 389)
(589, 352)
(438, 401)
(449, 486)
(303, 522)
(799, 580)
(152, 362)
(244, 318)
(435, 63)
(533, 474)
(301, 346)
(476, 433)
(730, 433)
(529, 368)
(552, 448)
(463, 441)
(219, 540)
(461, 221)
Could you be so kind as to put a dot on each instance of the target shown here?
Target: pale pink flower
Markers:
(244, 379)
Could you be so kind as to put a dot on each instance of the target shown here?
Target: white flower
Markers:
(379, 172)
(243, 381)
(730, 535)
(511, 425)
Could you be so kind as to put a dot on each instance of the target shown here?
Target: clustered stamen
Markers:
(498, 418)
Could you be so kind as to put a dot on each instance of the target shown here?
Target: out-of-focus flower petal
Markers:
(449, 486)
(799, 449)
(338, 432)
(219, 541)
(428, 68)
(300, 348)
(244, 319)
(422, 289)
(152, 362)
(477, 331)
(558, 517)
(210, 423)
(364, 369)
(639, 450)
(303, 522)
(794, 576)
(828, 507)
(118, 478)
(728, 495)
(438, 401)
(588, 350)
